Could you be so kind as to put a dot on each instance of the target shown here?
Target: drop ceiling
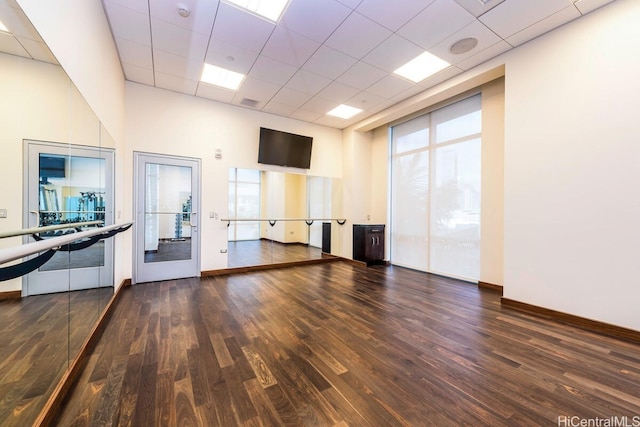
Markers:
(321, 53)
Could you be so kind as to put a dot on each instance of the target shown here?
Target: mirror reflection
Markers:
(42, 334)
(287, 199)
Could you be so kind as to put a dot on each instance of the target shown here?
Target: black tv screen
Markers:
(284, 149)
(51, 167)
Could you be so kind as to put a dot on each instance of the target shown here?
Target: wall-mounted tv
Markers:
(284, 149)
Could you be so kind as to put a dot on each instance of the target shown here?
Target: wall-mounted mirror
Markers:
(42, 334)
(285, 199)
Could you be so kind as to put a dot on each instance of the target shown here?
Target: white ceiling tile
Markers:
(442, 18)
(586, 6)
(476, 30)
(361, 75)
(200, 19)
(173, 39)
(176, 84)
(392, 53)
(289, 47)
(291, 97)
(138, 74)
(128, 23)
(240, 28)
(134, 53)
(559, 18)
(38, 50)
(214, 92)
(11, 3)
(357, 36)
(338, 92)
(9, 44)
(351, 3)
(389, 14)
(307, 116)
(257, 90)
(314, 19)
(320, 105)
(17, 23)
(366, 100)
(330, 121)
(178, 66)
(304, 81)
(273, 71)
(442, 76)
(389, 86)
(512, 16)
(230, 56)
(477, 8)
(484, 55)
(278, 108)
(138, 5)
(329, 62)
(413, 90)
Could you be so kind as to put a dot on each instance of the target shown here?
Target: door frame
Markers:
(140, 159)
(73, 276)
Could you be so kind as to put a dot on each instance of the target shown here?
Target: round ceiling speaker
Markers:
(463, 45)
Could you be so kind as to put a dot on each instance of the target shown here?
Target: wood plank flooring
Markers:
(39, 336)
(341, 345)
(246, 253)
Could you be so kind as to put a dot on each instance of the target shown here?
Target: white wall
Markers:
(572, 165)
(164, 122)
(39, 103)
(79, 37)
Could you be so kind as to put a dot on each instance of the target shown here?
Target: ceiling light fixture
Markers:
(421, 67)
(221, 77)
(463, 45)
(3, 27)
(344, 111)
(270, 9)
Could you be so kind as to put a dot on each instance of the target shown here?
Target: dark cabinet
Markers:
(368, 243)
(326, 237)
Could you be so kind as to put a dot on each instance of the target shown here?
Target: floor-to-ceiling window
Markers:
(435, 190)
(244, 203)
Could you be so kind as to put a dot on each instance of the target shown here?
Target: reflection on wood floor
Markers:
(39, 336)
(246, 253)
(337, 344)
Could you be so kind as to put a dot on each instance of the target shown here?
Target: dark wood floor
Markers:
(39, 335)
(260, 252)
(336, 345)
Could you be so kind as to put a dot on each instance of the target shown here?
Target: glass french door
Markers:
(167, 244)
(69, 185)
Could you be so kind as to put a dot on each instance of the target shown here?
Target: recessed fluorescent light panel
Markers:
(221, 77)
(270, 9)
(3, 28)
(344, 111)
(421, 67)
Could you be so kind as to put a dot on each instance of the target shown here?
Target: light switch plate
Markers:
(3, 213)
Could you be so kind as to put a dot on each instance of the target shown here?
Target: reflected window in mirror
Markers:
(244, 203)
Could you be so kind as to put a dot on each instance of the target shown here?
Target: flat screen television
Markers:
(284, 149)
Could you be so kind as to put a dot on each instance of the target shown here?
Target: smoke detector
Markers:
(183, 10)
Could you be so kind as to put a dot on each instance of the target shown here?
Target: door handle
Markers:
(37, 214)
(191, 220)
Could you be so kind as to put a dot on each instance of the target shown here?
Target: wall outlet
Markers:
(3, 213)
(223, 251)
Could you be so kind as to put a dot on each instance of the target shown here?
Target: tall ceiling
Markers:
(321, 53)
